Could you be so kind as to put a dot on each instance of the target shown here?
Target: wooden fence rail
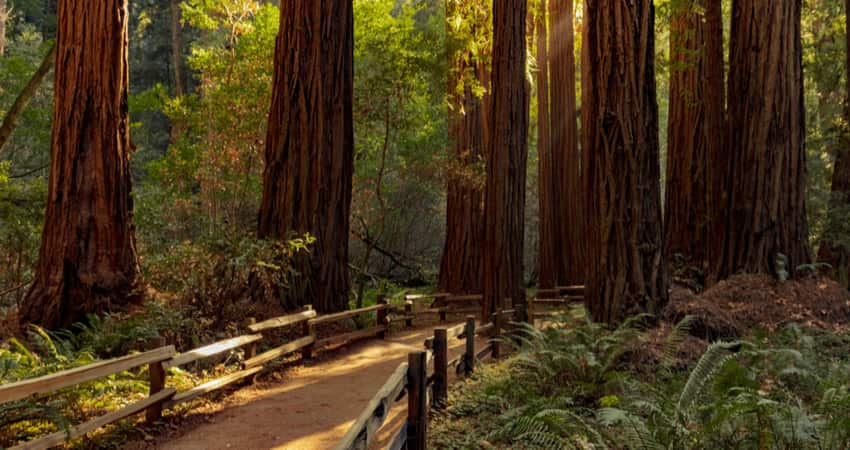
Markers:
(160, 360)
(414, 433)
(410, 378)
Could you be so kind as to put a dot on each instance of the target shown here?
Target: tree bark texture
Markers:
(310, 144)
(568, 207)
(10, 121)
(504, 207)
(88, 261)
(626, 267)
(694, 130)
(549, 257)
(831, 251)
(767, 211)
(462, 259)
(177, 50)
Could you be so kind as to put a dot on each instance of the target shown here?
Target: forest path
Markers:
(316, 404)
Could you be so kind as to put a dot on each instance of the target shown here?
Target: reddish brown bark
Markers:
(504, 208)
(716, 127)
(626, 271)
(694, 130)
(832, 251)
(549, 257)
(461, 263)
(88, 261)
(310, 144)
(567, 208)
(767, 211)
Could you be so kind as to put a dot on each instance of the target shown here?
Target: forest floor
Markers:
(741, 303)
(307, 407)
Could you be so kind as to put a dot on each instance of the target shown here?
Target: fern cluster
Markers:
(571, 387)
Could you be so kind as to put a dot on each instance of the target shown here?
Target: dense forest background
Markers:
(683, 164)
(200, 81)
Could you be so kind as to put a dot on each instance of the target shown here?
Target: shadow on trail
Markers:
(314, 407)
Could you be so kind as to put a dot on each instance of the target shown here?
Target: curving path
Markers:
(316, 405)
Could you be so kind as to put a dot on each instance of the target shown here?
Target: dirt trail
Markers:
(315, 406)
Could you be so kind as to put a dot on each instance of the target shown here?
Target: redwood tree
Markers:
(694, 129)
(460, 266)
(310, 144)
(549, 257)
(767, 212)
(504, 208)
(625, 270)
(831, 251)
(87, 261)
(567, 208)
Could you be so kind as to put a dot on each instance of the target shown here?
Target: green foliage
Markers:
(774, 392)
(212, 174)
(23, 161)
(46, 353)
(400, 134)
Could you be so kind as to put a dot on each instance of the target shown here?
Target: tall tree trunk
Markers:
(3, 18)
(694, 130)
(832, 251)
(767, 211)
(177, 50)
(504, 205)
(88, 259)
(717, 128)
(549, 253)
(310, 143)
(626, 271)
(568, 207)
(460, 266)
(10, 122)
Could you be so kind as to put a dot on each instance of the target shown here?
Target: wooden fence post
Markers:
(441, 367)
(157, 384)
(250, 351)
(497, 331)
(470, 345)
(417, 401)
(308, 330)
(381, 315)
(408, 311)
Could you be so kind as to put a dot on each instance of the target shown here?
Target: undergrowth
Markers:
(575, 386)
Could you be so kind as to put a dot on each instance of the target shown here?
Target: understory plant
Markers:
(576, 385)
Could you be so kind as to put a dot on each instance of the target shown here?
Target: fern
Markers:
(714, 358)
(632, 432)
(674, 341)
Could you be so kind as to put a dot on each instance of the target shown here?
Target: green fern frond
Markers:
(711, 361)
(674, 341)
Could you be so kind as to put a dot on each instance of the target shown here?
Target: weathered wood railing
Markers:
(410, 378)
(53, 382)
(160, 360)
(443, 304)
(424, 390)
(417, 382)
(548, 302)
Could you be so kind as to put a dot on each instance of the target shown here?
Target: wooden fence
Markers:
(160, 360)
(425, 385)
(410, 379)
